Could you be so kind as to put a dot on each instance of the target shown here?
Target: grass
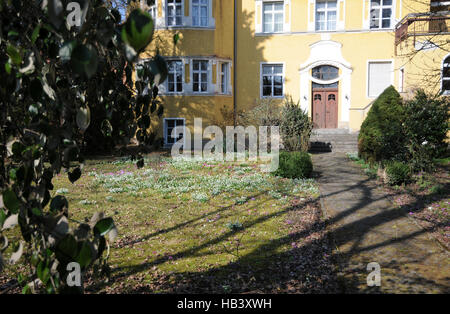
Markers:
(186, 217)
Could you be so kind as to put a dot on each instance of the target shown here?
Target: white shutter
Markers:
(380, 77)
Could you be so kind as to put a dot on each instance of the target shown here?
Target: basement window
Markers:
(171, 125)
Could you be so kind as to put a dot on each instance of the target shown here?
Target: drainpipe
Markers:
(234, 64)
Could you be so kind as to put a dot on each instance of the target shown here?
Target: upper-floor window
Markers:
(446, 76)
(381, 13)
(174, 12)
(200, 76)
(200, 12)
(175, 76)
(272, 80)
(326, 13)
(273, 13)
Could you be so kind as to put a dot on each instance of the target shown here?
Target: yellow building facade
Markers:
(333, 56)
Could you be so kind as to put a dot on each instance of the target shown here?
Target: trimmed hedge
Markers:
(381, 135)
(294, 165)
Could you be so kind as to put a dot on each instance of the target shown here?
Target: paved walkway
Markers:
(368, 228)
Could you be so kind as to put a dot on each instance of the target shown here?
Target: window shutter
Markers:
(380, 74)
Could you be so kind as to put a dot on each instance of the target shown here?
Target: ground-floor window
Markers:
(446, 76)
(200, 76)
(169, 125)
(224, 77)
(272, 80)
(175, 76)
(379, 77)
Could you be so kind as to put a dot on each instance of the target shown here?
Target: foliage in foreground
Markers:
(56, 79)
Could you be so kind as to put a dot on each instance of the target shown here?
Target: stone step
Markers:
(337, 140)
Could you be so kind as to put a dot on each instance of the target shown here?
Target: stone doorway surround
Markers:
(327, 52)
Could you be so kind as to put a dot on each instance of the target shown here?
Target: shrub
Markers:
(426, 124)
(295, 126)
(294, 165)
(398, 173)
(381, 136)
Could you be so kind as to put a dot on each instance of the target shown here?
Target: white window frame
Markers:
(200, 72)
(199, 16)
(175, 75)
(224, 77)
(444, 92)
(166, 135)
(153, 11)
(174, 5)
(391, 61)
(326, 10)
(262, 65)
(380, 16)
(273, 16)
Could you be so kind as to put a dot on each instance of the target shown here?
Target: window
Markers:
(200, 76)
(326, 12)
(380, 13)
(272, 80)
(200, 13)
(273, 17)
(175, 76)
(325, 73)
(153, 10)
(169, 126)
(224, 78)
(174, 12)
(446, 76)
(379, 76)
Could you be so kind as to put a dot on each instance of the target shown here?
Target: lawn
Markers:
(196, 226)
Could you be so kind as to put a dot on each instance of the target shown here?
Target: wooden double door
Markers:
(325, 108)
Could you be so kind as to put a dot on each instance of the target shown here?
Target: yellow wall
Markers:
(359, 45)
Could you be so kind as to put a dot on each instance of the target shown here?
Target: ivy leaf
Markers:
(75, 175)
(43, 272)
(11, 201)
(66, 249)
(14, 54)
(2, 218)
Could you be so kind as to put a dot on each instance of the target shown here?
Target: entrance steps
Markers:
(333, 140)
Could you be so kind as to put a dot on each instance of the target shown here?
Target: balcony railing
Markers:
(422, 24)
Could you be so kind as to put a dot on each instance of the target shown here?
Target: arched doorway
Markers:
(325, 97)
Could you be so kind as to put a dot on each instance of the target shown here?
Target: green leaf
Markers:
(84, 257)
(66, 250)
(75, 175)
(84, 60)
(35, 34)
(58, 204)
(83, 118)
(65, 52)
(138, 30)
(159, 69)
(43, 272)
(2, 218)
(11, 201)
(176, 38)
(103, 226)
(14, 54)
